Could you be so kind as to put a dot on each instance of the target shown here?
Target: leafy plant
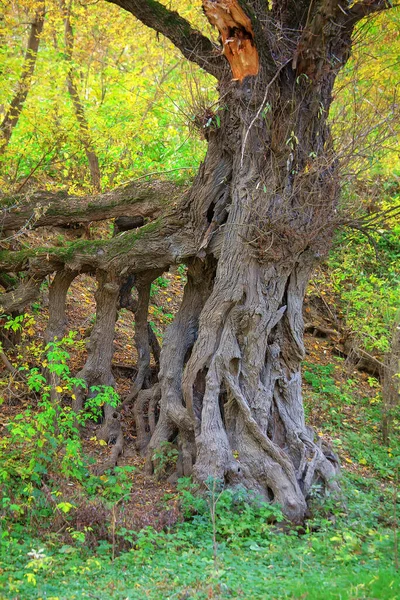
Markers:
(165, 457)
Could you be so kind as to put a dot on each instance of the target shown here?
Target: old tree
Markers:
(259, 215)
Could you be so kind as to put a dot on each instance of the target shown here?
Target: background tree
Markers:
(13, 112)
(91, 155)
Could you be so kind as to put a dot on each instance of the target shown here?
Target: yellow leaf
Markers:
(73, 396)
(362, 461)
(348, 460)
(102, 443)
(31, 578)
(59, 389)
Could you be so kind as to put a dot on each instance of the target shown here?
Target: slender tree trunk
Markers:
(391, 383)
(10, 120)
(87, 142)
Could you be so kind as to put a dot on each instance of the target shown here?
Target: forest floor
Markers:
(157, 540)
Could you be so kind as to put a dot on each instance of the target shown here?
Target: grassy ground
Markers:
(347, 555)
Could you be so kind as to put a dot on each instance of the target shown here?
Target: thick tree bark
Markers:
(57, 305)
(178, 342)
(97, 370)
(11, 118)
(236, 402)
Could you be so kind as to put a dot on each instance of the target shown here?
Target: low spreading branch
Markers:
(42, 209)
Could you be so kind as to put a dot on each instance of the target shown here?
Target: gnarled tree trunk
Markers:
(266, 199)
(237, 402)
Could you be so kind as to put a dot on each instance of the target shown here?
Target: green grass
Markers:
(352, 418)
(342, 554)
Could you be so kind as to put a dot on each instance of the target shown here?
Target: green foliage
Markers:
(343, 554)
(106, 394)
(368, 285)
(116, 485)
(319, 377)
(182, 269)
(353, 422)
(159, 283)
(130, 88)
(164, 457)
(240, 516)
(42, 447)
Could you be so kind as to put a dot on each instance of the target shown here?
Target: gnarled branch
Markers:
(27, 291)
(41, 209)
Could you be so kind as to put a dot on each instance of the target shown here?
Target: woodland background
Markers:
(135, 105)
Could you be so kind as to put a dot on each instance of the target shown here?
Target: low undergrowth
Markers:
(351, 417)
(341, 552)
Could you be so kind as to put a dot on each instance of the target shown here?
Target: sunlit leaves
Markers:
(130, 82)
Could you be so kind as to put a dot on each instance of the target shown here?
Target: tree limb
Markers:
(194, 45)
(43, 208)
(368, 7)
(168, 240)
(26, 292)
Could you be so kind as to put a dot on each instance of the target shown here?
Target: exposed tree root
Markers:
(111, 432)
(97, 370)
(57, 304)
(143, 283)
(144, 413)
(178, 342)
